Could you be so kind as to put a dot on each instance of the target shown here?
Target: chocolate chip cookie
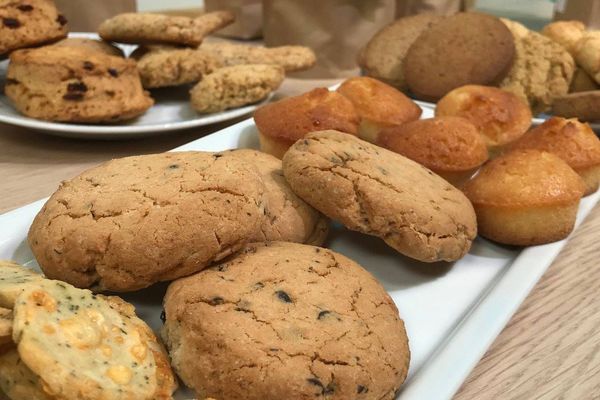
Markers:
(26, 23)
(381, 193)
(135, 221)
(74, 84)
(286, 321)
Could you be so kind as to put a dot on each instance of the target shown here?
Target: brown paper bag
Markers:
(334, 29)
(248, 17)
(87, 15)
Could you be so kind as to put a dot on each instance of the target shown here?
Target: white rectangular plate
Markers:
(452, 311)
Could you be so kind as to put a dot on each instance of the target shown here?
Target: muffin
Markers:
(500, 116)
(525, 197)
(449, 146)
(283, 122)
(378, 106)
(574, 142)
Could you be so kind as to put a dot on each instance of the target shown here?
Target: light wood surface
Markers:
(549, 350)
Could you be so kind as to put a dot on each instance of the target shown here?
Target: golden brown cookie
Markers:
(14, 278)
(565, 33)
(83, 346)
(543, 70)
(378, 106)
(574, 142)
(6, 322)
(452, 147)
(135, 221)
(92, 45)
(384, 54)
(26, 23)
(283, 122)
(375, 191)
(525, 197)
(146, 28)
(287, 217)
(587, 54)
(286, 321)
(290, 58)
(17, 380)
(235, 86)
(465, 48)
(500, 116)
(71, 84)
(163, 66)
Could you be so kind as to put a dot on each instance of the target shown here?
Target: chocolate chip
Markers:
(61, 19)
(362, 389)
(163, 316)
(73, 96)
(323, 314)
(259, 285)
(173, 166)
(110, 93)
(215, 301)
(283, 296)
(315, 382)
(77, 87)
(317, 250)
(25, 7)
(217, 155)
(11, 23)
(113, 72)
(88, 65)
(10, 81)
(324, 390)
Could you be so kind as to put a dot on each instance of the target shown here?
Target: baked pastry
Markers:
(283, 122)
(375, 191)
(6, 321)
(235, 86)
(465, 48)
(449, 146)
(384, 54)
(587, 54)
(517, 29)
(574, 142)
(27, 23)
(525, 197)
(91, 45)
(163, 66)
(329, 325)
(542, 70)
(378, 106)
(581, 82)
(135, 221)
(74, 85)
(287, 217)
(565, 33)
(17, 380)
(584, 106)
(500, 116)
(85, 346)
(14, 278)
(146, 28)
(290, 58)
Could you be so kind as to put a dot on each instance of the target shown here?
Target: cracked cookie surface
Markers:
(288, 218)
(286, 321)
(134, 221)
(381, 193)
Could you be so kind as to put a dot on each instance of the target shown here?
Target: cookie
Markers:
(26, 23)
(13, 280)
(17, 380)
(146, 28)
(72, 84)
(375, 191)
(584, 106)
(542, 71)
(286, 321)
(465, 48)
(290, 58)
(135, 221)
(163, 66)
(6, 319)
(384, 54)
(287, 217)
(94, 45)
(565, 33)
(587, 54)
(235, 86)
(83, 347)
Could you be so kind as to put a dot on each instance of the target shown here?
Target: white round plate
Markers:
(171, 111)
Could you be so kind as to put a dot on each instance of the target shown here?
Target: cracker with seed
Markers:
(13, 279)
(6, 320)
(17, 381)
(86, 346)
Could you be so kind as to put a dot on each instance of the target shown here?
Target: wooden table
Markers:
(549, 350)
